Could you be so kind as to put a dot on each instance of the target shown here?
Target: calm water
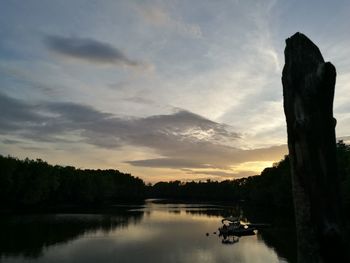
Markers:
(153, 232)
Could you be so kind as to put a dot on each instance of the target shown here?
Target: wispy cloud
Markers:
(181, 139)
(173, 163)
(158, 16)
(220, 173)
(210, 156)
(90, 50)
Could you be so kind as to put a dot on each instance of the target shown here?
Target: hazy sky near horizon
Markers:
(165, 90)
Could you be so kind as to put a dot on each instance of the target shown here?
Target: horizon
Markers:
(163, 91)
(96, 169)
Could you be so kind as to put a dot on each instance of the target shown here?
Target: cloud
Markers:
(205, 155)
(15, 114)
(173, 163)
(182, 139)
(89, 50)
(159, 17)
(9, 141)
(218, 173)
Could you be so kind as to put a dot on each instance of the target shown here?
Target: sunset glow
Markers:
(176, 90)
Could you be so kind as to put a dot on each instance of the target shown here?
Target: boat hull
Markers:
(237, 232)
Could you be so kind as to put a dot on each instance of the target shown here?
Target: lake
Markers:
(151, 232)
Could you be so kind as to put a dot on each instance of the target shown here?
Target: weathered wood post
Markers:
(308, 92)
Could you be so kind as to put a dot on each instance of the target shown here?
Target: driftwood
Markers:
(308, 91)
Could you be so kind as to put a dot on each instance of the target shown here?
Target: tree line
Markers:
(35, 183)
(273, 187)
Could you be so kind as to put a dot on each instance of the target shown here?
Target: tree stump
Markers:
(308, 92)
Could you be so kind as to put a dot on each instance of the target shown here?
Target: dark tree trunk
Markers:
(308, 91)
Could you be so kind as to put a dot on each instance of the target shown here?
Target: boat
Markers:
(235, 227)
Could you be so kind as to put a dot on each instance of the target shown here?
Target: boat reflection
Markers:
(229, 240)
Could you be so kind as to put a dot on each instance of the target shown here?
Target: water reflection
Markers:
(229, 240)
(29, 235)
(281, 236)
(153, 232)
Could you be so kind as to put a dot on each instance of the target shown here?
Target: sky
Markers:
(164, 90)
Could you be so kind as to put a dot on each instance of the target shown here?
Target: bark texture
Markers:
(308, 91)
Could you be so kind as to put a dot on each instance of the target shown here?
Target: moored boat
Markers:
(236, 228)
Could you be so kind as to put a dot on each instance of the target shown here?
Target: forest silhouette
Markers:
(35, 184)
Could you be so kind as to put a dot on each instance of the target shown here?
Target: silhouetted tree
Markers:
(30, 183)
